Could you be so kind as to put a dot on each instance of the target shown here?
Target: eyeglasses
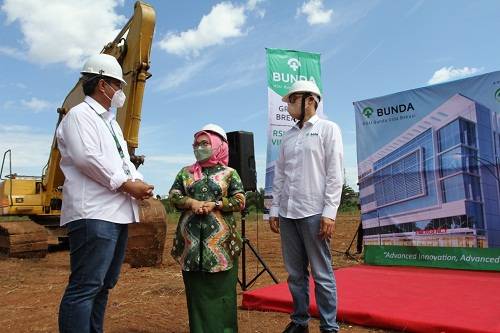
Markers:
(293, 97)
(202, 144)
(114, 84)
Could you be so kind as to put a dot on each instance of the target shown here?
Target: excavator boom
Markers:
(41, 198)
(132, 48)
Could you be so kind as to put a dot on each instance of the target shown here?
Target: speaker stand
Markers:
(246, 242)
(357, 235)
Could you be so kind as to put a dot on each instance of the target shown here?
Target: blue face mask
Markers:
(202, 153)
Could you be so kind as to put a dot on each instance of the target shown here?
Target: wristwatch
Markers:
(218, 204)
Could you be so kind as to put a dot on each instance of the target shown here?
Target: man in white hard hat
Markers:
(101, 190)
(306, 195)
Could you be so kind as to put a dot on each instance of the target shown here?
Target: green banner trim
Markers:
(486, 259)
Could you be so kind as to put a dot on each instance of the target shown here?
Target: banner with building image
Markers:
(284, 67)
(429, 177)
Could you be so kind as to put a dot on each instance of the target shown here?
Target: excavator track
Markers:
(146, 240)
(23, 239)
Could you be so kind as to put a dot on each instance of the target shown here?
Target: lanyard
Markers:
(118, 146)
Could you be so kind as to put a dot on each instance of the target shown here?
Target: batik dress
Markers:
(207, 247)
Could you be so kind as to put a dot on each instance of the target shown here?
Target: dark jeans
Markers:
(97, 250)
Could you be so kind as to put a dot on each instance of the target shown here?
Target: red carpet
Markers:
(409, 299)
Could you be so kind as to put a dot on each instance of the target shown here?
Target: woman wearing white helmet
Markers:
(215, 129)
(206, 243)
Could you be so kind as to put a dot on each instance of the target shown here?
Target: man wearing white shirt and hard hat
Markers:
(306, 195)
(100, 195)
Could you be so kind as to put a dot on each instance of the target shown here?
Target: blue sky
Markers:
(208, 64)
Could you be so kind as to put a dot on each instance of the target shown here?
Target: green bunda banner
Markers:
(429, 175)
(284, 67)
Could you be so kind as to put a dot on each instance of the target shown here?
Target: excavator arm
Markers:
(41, 199)
(132, 48)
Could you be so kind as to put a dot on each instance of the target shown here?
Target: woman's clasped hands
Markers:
(201, 207)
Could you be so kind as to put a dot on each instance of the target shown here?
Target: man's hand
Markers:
(327, 227)
(138, 189)
(274, 223)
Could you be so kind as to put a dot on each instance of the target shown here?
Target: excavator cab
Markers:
(20, 197)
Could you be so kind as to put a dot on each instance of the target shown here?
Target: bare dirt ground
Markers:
(150, 299)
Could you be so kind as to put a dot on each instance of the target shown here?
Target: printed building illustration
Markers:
(438, 183)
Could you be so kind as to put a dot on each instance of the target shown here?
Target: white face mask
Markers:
(118, 98)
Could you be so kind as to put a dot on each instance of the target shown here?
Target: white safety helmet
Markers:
(103, 64)
(216, 129)
(303, 86)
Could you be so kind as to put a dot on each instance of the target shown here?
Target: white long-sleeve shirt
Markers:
(308, 173)
(93, 167)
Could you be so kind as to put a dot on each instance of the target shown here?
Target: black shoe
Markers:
(328, 331)
(296, 328)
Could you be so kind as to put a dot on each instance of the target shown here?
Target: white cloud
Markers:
(36, 105)
(32, 105)
(30, 150)
(315, 12)
(182, 74)
(450, 73)
(11, 52)
(62, 31)
(252, 5)
(230, 84)
(224, 21)
(236, 75)
(18, 85)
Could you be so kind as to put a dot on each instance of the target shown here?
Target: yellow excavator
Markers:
(31, 205)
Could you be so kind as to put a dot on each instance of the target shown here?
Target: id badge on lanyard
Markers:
(125, 166)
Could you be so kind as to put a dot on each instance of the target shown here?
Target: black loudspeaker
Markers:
(242, 158)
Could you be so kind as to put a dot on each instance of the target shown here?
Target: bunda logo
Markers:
(395, 109)
(294, 64)
(367, 112)
(497, 95)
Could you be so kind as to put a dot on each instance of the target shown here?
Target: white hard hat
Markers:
(103, 64)
(303, 86)
(216, 129)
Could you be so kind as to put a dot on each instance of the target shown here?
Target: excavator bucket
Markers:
(146, 240)
(23, 239)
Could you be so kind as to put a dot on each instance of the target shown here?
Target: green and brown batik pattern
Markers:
(209, 242)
